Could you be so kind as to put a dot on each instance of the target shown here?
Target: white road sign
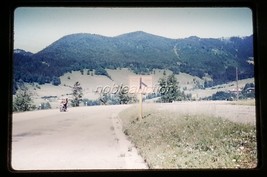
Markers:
(140, 84)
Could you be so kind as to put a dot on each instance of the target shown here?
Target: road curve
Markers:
(83, 138)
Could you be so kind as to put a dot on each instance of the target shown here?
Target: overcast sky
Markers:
(36, 28)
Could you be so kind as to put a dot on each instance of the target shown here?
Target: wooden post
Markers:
(140, 82)
(140, 99)
(140, 106)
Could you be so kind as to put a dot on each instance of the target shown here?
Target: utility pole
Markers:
(237, 88)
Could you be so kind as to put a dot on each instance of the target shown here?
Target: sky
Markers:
(37, 27)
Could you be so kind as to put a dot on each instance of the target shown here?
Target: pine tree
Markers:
(82, 72)
(56, 81)
(77, 93)
(169, 89)
(123, 96)
(23, 100)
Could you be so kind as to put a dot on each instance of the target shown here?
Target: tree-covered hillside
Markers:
(138, 51)
(216, 57)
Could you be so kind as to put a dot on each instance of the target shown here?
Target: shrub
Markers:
(23, 100)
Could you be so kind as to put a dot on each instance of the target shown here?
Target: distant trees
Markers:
(104, 98)
(221, 95)
(45, 106)
(248, 91)
(120, 96)
(208, 83)
(56, 81)
(175, 69)
(88, 102)
(230, 73)
(23, 100)
(30, 68)
(77, 93)
(82, 71)
(100, 71)
(169, 89)
(123, 96)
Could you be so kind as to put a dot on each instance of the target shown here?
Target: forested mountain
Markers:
(139, 51)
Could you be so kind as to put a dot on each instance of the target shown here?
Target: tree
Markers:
(56, 81)
(82, 72)
(248, 85)
(249, 90)
(208, 83)
(169, 89)
(221, 95)
(100, 71)
(77, 94)
(23, 100)
(123, 95)
(104, 98)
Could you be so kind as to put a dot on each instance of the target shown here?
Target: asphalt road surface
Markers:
(83, 138)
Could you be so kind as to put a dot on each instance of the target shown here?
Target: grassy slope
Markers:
(201, 93)
(169, 140)
(90, 83)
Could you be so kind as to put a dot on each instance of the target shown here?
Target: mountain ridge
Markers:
(141, 52)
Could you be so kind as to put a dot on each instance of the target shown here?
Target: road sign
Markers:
(140, 84)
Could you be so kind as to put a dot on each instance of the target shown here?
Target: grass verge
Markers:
(250, 102)
(168, 140)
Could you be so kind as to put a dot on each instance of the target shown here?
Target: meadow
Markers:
(171, 140)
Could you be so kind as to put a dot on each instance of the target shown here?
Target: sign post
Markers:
(140, 106)
(140, 85)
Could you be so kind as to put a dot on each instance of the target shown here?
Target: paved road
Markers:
(82, 138)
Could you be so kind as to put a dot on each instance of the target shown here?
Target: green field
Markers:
(175, 141)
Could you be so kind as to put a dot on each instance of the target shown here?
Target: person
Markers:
(65, 104)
